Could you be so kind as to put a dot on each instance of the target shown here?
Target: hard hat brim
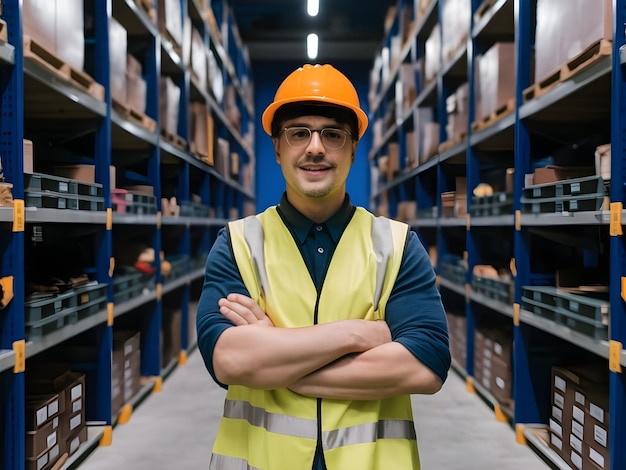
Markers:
(270, 111)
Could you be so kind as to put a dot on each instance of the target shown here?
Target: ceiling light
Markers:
(312, 7)
(311, 45)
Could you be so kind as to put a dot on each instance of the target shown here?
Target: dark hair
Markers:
(313, 108)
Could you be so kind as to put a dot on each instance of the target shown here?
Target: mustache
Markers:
(316, 159)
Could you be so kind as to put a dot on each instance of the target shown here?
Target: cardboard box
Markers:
(69, 31)
(40, 409)
(118, 46)
(169, 103)
(83, 173)
(496, 70)
(28, 156)
(553, 173)
(38, 17)
(170, 20)
(42, 439)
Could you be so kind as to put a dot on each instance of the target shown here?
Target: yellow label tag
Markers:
(110, 313)
(107, 436)
(467, 222)
(500, 416)
(159, 291)
(624, 289)
(109, 221)
(518, 220)
(615, 356)
(516, 313)
(111, 266)
(84, 298)
(18, 215)
(513, 267)
(159, 217)
(19, 348)
(469, 384)
(468, 292)
(615, 228)
(520, 438)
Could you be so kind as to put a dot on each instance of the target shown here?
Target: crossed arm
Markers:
(347, 359)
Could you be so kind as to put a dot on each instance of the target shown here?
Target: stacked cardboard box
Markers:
(457, 326)
(493, 363)
(136, 86)
(455, 23)
(42, 443)
(171, 20)
(58, 26)
(565, 28)
(198, 126)
(126, 365)
(118, 41)
(579, 421)
(457, 106)
(63, 432)
(172, 335)
(198, 58)
(496, 79)
(169, 105)
(432, 54)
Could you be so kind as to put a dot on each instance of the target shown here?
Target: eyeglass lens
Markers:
(331, 138)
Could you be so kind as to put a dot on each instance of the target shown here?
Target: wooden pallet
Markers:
(135, 116)
(588, 57)
(35, 52)
(448, 144)
(202, 156)
(175, 140)
(482, 10)
(495, 116)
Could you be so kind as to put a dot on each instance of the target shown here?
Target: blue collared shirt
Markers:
(414, 312)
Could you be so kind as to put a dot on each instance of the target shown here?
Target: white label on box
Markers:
(578, 414)
(128, 349)
(576, 443)
(77, 406)
(500, 383)
(577, 429)
(54, 452)
(42, 461)
(497, 348)
(53, 408)
(559, 400)
(75, 422)
(557, 413)
(556, 428)
(74, 444)
(600, 435)
(576, 459)
(573, 306)
(42, 415)
(559, 383)
(556, 442)
(63, 187)
(55, 422)
(579, 398)
(487, 353)
(595, 456)
(597, 412)
(575, 188)
(77, 392)
(51, 439)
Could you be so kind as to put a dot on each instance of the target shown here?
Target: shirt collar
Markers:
(301, 225)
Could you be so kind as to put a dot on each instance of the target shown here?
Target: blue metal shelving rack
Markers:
(117, 139)
(516, 139)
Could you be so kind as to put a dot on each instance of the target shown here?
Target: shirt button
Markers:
(319, 228)
(320, 250)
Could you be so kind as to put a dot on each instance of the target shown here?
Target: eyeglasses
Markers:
(331, 138)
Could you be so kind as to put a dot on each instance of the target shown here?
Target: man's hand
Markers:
(242, 310)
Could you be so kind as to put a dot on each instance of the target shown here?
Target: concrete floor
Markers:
(176, 427)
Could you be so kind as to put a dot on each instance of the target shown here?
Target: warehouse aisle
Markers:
(175, 429)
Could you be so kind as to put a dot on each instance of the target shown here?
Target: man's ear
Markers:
(275, 141)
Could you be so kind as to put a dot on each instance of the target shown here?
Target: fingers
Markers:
(241, 310)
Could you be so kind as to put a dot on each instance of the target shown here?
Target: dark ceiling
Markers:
(277, 29)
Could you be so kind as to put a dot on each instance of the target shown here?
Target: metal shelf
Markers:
(7, 359)
(506, 220)
(600, 348)
(497, 21)
(566, 218)
(7, 54)
(64, 216)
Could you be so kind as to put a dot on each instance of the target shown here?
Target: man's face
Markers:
(314, 171)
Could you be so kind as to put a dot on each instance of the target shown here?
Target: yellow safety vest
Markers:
(278, 429)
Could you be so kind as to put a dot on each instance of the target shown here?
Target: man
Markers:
(318, 317)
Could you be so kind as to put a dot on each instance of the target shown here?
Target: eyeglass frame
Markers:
(320, 132)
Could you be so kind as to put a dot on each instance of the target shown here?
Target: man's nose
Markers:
(316, 142)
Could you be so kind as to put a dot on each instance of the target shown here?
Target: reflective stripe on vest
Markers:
(223, 462)
(307, 428)
(382, 241)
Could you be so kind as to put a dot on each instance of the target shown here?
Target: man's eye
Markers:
(332, 135)
(301, 134)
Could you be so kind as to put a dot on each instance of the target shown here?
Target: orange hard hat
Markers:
(322, 83)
